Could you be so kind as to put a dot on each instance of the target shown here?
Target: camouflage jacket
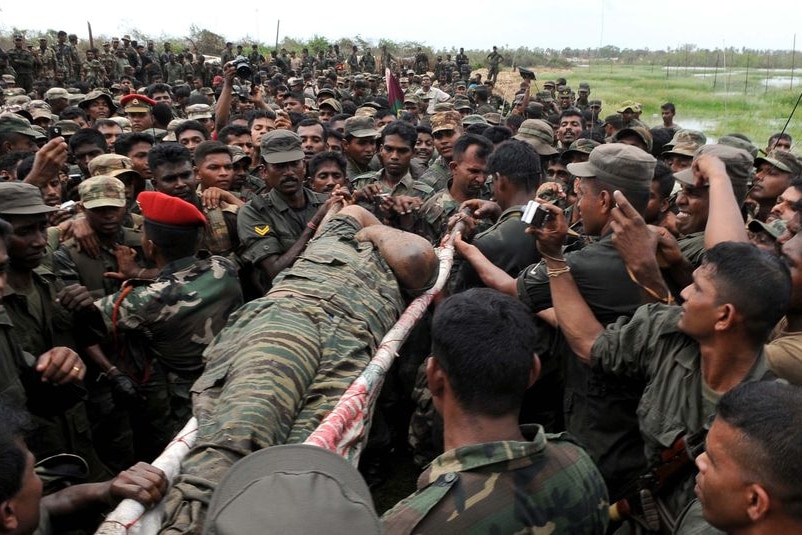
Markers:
(547, 484)
(174, 316)
(438, 174)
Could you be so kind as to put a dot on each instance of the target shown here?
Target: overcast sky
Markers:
(551, 24)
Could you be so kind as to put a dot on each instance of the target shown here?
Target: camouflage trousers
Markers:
(274, 373)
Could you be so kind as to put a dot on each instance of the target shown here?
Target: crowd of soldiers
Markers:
(232, 242)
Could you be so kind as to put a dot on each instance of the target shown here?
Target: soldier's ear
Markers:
(534, 373)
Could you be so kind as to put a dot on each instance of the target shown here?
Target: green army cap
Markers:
(594, 102)
(21, 198)
(19, 100)
(544, 96)
(461, 104)
(281, 146)
(264, 487)
(620, 165)
(539, 134)
(615, 120)
(409, 97)
(549, 83)
(171, 128)
(782, 160)
(95, 95)
(444, 106)
(642, 133)
(365, 111)
(11, 123)
(56, 92)
(738, 163)
(199, 111)
(580, 146)
(565, 92)
(102, 191)
(774, 228)
(68, 127)
(473, 119)
(739, 143)
(328, 92)
(584, 86)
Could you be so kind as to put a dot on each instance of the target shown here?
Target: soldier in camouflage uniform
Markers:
(63, 56)
(446, 130)
(109, 62)
(494, 476)
(367, 62)
(493, 60)
(93, 72)
(75, 57)
(285, 359)
(467, 182)
(162, 325)
(44, 60)
(22, 60)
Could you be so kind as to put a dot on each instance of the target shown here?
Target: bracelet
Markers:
(554, 273)
(107, 373)
(544, 255)
(311, 225)
(668, 300)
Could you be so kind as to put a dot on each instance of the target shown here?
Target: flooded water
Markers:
(783, 82)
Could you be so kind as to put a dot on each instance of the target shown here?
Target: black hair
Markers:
(182, 91)
(162, 114)
(665, 176)
(769, 416)
(158, 88)
(169, 152)
(25, 167)
(191, 125)
(485, 343)
(10, 160)
(252, 115)
(13, 423)
(513, 122)
(483, 146)
(209, 147)
(72, 112)
(497, 134)
(125, 142)
(669, 106)
(661, 136)
(476, 128)
(402, 129)
(339, 117)
(519, 162)
(105, 122)
(384, 112)
(571, 112)
(88, 136)
(234, 130)
(423, 129)
(313, 122)
(325, 157)
(173, 242)
(757, 284)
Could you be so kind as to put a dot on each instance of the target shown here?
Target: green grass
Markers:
(736, 103)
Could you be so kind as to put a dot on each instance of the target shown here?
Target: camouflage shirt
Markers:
(175, 316)
(438, 175)
(547, 484)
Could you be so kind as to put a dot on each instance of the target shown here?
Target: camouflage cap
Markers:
(738, 163)
(95, 95)
(473, 119)
(444, 106)
(11, 123)
(124, 122)
(100, 191)
(584, 86)
(326, 92)
(462, 104)
(782, 160)
(685, 135)
(446, 120)
(8, 78)
(56, 92)
(774, 228)
(171, 128)
(198, 111)
(365, 111)
(126, 37)
(630, 105)
(739, 143)
(620, 165)
(544, 96)
(549, 83)
(539, 134)
(281, 146)
(40, 113)
(580, 146)
(565, 92)
(594, 102)
(682, 149)
(111, 165)
(206, 91)
(19, 100)
(333, 104)
(238, 154)
(21, 198)
(493, 118)
(262, 489)
(639, 131)
(360, 127)
(409, 97)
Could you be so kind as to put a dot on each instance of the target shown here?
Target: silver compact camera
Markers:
(534, 214)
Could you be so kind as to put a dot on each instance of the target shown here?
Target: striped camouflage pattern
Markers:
(543, 486)
(283, 362)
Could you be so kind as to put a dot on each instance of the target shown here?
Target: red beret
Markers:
(167, 210)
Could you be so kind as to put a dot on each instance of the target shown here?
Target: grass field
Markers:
(717, 103)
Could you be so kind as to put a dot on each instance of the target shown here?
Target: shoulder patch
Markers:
(262, 230)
